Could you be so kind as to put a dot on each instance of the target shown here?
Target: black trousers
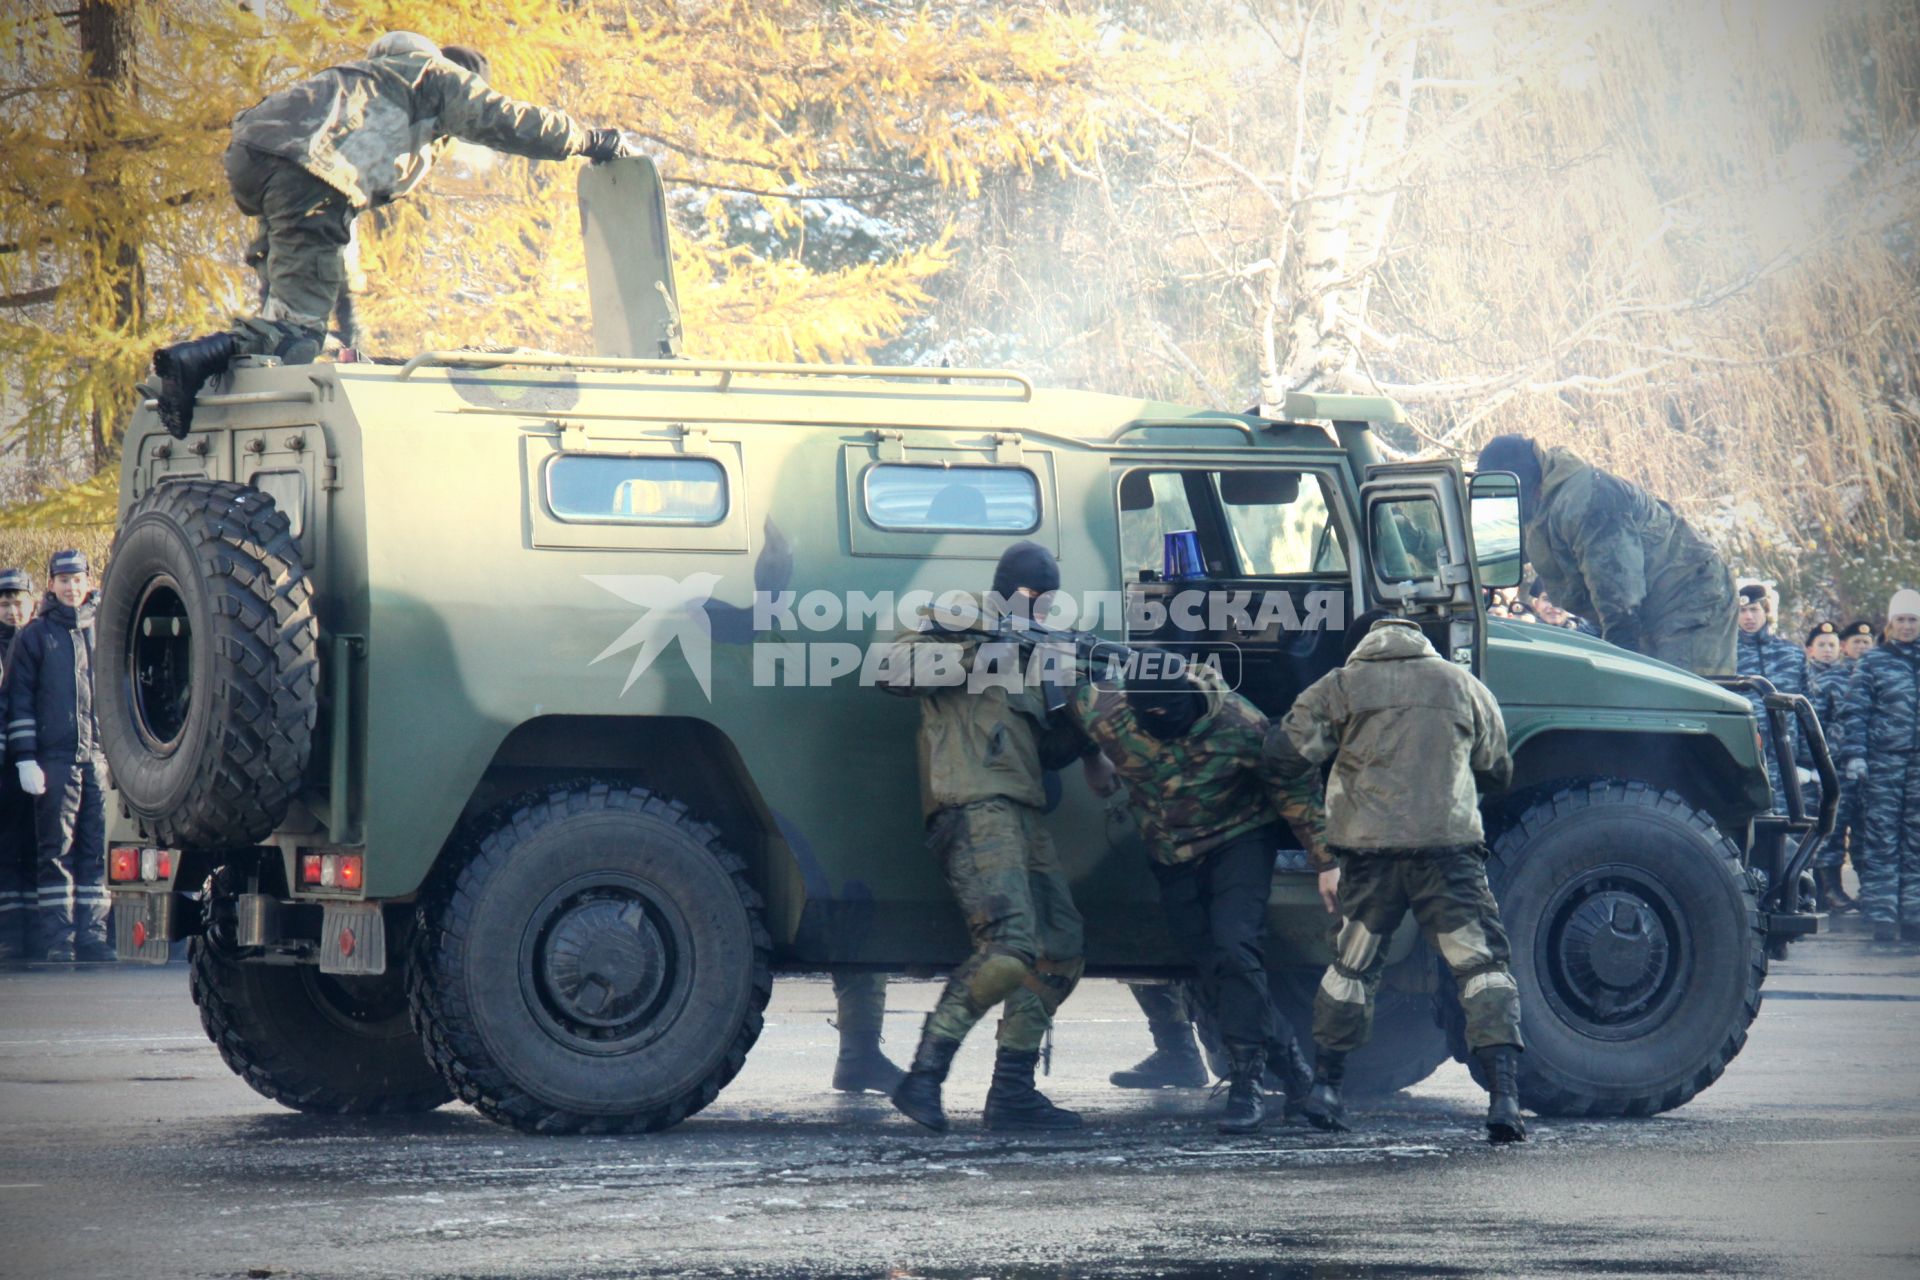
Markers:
(1216, 909)
(70, 818)
(19, 884)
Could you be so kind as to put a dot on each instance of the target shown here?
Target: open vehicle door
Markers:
(623, 220)
(1420, 554)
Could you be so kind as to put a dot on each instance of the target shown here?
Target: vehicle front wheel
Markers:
(593, 961)
(1637, 945)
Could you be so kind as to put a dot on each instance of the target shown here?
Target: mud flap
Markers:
(623, 220)
(353, 938)
(142, 926)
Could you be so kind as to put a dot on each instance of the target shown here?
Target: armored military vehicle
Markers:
(493, 723)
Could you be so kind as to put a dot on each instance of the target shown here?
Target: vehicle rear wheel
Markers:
(592, 961)
(1637, 945)
(309, 1040)
(206, 687)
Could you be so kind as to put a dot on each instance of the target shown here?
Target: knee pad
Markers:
(998, 976)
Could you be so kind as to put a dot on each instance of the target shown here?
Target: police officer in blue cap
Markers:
(17, 888)
(53, 743)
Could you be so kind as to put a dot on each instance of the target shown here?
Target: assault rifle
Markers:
(1091, 653)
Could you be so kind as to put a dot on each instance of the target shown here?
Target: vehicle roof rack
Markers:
(727, 369)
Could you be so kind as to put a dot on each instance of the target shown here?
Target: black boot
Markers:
(1246, 1106)
(1886, 931)
(917, 1097)
(1324, 1107)
(1014, 1104)
(183, 370)
(1174, 1063)
(1502, 1066)
(861, 1067)
(1289, 1073)
(1822, 889)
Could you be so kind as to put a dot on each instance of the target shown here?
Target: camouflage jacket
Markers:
(368, 128)
(1827, 688)
(1417, 738)
(1606, 550)
(1197, 792)
(1883, 704)
(985, 732)
(1784, 665)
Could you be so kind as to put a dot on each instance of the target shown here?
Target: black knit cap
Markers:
(1822, 629)
(1857, 629)
(1753, 593)
(1026, 564)
(1511, 453)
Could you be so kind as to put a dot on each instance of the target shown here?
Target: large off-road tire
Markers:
(1637, 945)
(205, 677)
(1407, 1044)
(309, 1040)
(591, 960)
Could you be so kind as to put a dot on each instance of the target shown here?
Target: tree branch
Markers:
(30, 298)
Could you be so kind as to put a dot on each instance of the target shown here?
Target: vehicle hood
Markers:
(1529, 663)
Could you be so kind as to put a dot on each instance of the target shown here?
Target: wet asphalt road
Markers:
(128, 1150)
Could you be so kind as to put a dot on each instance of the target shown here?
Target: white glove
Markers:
(33, 780)
(1808, 778)
(1856, 769)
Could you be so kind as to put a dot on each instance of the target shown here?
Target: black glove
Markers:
(605, 144)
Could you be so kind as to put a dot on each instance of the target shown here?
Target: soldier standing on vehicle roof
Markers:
(1190, 752)
(311, 158)
(1414, 740)
(1608, 551)
(1782, 664)
(1828, 673)
(1881, 751)
(18, 883)
(54, 743)
(983, 751)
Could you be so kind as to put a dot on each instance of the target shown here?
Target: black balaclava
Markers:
(1026, 564)
(1167, 706)
(1518, 455)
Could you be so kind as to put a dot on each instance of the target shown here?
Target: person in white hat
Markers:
(1881, 750)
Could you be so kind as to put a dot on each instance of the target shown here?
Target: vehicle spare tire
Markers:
(205, 674)
(1637, 946)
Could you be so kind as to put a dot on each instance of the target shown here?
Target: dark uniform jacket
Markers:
(1783, 664)
(49, 684)
(1417, 738)
(1883, 704)
(1827, 684)
(367, 129)
(1198, 791)
(7, 777)
(1606, 550)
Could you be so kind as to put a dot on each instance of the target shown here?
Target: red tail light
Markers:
(124, 864)
(331, 870)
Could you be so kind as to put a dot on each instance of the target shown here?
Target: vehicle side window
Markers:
(1152, 505)
(1280, 523)
(914, 496)
(1408, 539)
(603, 489)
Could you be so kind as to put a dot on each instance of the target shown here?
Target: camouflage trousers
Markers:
(1890, 806)
(1027, 935)
(307, 226)
(1706, 649)
(1847, 837)
(1446, 889)
(860, 1001)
